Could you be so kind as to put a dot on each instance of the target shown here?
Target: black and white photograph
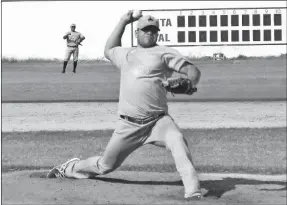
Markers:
(143, 102)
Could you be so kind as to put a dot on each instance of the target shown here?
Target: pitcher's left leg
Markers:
(166, 133)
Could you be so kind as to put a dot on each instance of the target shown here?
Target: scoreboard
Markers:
(219, 27)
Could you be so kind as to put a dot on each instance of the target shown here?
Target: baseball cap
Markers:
(148, 20)
(73, 25)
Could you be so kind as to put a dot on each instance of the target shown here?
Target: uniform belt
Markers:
(72, 46)
(140, 121)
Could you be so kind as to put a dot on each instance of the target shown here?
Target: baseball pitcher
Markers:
(74, 39)
(146, 72)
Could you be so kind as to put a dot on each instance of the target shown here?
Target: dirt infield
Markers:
(95, 116)
(30, 187)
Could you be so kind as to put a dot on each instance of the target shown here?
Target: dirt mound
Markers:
(127, 187)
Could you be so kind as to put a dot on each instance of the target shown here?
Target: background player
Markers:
(74, 39)
(143, 109)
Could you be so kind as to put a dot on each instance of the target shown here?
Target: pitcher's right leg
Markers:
(119, 147)
(115, 153)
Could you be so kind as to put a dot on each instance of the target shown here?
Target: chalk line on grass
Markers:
(25, 117)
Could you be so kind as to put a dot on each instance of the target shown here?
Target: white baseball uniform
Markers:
(143, 111)
(72, 45)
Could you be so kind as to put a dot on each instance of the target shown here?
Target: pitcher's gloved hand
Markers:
(179, 85)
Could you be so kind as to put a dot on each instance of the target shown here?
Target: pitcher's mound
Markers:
(128, 187)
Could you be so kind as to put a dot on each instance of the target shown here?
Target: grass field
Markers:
(217, 150)
(260, 79)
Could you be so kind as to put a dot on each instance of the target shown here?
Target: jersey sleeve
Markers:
(117, 55)
(174, 60)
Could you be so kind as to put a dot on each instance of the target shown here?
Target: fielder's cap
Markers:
(73, 25)
(148, 20)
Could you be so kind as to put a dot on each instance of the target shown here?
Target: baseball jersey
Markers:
(142, 71)
(73, 38)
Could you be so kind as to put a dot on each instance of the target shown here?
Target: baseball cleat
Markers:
(59, 171)
(193, 197)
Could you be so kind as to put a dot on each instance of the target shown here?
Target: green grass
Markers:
(257, 79)
(218, 150)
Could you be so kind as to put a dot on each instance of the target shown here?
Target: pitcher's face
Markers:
(147, 36)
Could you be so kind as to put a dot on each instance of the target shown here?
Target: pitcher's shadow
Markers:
(215, 188)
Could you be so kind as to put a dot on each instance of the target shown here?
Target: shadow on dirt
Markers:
(215, 188)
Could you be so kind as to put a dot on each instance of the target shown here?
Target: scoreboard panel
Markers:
(216, 27)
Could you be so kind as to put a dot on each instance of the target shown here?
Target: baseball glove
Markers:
(179, 85)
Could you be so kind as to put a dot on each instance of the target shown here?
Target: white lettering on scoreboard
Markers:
(215, 27)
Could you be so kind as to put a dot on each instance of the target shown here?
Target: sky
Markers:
(36, 29)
